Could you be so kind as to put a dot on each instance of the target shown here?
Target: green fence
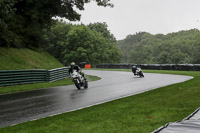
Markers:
(57, 74)
(15, 77)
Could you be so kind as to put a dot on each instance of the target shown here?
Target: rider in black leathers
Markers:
(77, 68)
(134, 68)
(137, 71)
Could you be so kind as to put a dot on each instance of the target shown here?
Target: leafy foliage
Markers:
(79, 43)
(54, 40)
(22, 21)
(103, 29)
(174, 48)
(6, 13)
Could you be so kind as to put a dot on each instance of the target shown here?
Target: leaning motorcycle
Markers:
(139, 72)
(79, 80)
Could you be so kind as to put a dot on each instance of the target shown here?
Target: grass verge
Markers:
(141, 113)
(26, 87)
(23, 58)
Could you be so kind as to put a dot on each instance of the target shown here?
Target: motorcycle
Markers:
(138, 72)
(79, 80)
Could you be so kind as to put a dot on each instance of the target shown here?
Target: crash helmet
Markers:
(134, 67)
(72, 64)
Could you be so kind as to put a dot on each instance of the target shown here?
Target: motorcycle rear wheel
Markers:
(141, 75)
(86, 85)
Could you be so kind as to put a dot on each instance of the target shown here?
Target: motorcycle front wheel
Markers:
(77, 84)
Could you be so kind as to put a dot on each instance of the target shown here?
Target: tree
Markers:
(54, 40)
(196, 52)
(26, 19)
(103, 29)
(84, 44)
(6, 12)
(78, 43)
(173, 48)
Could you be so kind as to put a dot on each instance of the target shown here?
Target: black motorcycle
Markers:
(137, 72)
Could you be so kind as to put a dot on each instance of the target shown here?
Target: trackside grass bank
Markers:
(23, 58)
(141, 113)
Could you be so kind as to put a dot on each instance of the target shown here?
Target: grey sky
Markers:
(153, 16)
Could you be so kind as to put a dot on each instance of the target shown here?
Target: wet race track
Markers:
(20, 107)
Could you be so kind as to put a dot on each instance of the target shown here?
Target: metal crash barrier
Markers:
(16, 77)
(57, 74)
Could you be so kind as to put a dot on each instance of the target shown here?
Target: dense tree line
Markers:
(174, 48)
(79, 43)
(22, 21)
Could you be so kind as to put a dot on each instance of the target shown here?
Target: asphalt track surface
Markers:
(25, 106)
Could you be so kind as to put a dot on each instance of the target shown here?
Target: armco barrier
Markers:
(15, 77)
(57, 74)
(183, 67)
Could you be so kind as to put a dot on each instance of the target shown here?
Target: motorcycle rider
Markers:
(134, 68)
(137, 71)
(77, 68)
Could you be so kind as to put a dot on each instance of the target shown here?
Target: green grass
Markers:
(26, 87)
(92, 78)
(141, 113)
(14, 58)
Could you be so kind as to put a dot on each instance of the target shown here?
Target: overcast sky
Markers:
(153, 16)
